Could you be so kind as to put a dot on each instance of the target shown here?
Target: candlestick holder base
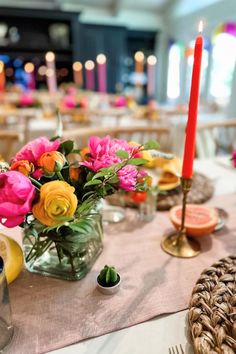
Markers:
(177, 243)
(180, 245)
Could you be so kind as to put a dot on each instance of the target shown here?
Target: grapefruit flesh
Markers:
(199, 220)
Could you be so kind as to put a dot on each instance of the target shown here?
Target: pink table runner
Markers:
(50, 313)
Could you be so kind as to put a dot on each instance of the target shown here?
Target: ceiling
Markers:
(148, 5)
(136, 14)
(128, 4)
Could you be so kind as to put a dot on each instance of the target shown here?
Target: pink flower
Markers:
(120, 102)
(128, 177)
(26, 100)
(234, 158)
(34, 150)
(69, 102)
(103, 152)
(72, 91)
(83, 103)
(16, 196)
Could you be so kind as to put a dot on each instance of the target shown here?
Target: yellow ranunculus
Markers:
(57, 200)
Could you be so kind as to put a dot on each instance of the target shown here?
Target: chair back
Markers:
(216, 138)
(138, 134)
(9, 144)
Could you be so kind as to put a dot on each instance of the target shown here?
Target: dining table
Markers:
(156, 334)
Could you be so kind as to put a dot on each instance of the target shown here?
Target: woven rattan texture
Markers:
(212, 309)
(201, 191)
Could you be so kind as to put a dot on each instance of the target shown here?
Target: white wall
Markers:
(183, 25)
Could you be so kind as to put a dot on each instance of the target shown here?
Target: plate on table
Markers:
(223, 216)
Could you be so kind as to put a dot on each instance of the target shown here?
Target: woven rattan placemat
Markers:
(202, 190)
(212, 309)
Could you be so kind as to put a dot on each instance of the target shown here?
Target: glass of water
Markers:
(6, 327)
(147, 209)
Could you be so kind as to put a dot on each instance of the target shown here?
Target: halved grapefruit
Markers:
(199, 220)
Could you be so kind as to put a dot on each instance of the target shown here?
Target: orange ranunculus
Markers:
(57, 200)
(74, 172)
(52, 161)
(23, 166)
(84, 153)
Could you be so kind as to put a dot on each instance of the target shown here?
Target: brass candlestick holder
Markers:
(177, 243)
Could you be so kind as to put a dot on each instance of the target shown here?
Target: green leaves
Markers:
(137, 161)
(66, 147)
(122, 154)
(92, 182)
(151, 145)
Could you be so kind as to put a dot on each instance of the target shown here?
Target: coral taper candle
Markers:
(78, 73)
(189, 150)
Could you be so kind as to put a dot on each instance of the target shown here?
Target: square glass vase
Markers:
(67, 254)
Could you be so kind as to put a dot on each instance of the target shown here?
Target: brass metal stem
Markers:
(176, 243)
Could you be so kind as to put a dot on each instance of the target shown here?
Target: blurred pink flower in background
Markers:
(120, 102)
(26, 99)
(69, 101)
(234, 158)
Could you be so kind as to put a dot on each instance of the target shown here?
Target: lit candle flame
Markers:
(50, 56)
(152, 60)
(200, 26)
(139, 56)
(1, 66)
(89, 65)
(77, 66)
(29, 68)
(101, 59)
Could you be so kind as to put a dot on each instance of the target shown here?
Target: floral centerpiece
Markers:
(26, 100)
(55, 198)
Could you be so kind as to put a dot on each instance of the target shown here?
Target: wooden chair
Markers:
(9, 143)
(138, 134)
(216, 138)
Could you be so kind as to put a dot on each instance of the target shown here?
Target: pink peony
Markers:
(128, 178)
(34, 150)
(16, 196)
(103, 152)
